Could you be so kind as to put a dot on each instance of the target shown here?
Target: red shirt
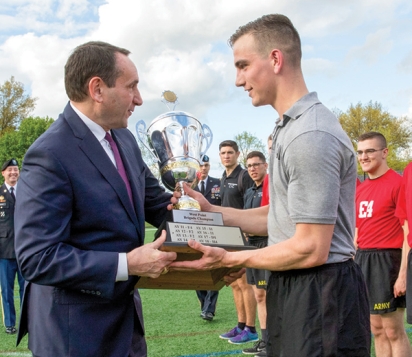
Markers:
(265, 192)
(404, 207)
(376, 201)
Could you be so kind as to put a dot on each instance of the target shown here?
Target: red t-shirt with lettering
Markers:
(376, 201)
(265, 192)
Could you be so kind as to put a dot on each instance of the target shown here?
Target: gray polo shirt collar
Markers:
(301, 106)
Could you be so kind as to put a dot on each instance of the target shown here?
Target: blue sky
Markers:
(353, 51)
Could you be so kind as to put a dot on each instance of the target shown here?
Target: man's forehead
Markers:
(227, 149)
(254, 158)
(244, 46)
(367, 142)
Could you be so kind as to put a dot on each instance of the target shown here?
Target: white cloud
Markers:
(375, 46)
(319, 66)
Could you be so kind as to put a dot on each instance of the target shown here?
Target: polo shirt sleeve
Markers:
(314, 163)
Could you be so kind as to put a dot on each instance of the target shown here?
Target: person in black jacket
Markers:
(8, 262)
(210, 188)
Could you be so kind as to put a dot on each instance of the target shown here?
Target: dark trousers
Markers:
(8, 272)
(208, 299)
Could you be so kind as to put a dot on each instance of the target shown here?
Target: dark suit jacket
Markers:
(6, 224)
(73, 217)
(212, 190)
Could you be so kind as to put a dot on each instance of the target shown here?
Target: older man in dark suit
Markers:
(210, 188)
(84, 195)
(8, 263)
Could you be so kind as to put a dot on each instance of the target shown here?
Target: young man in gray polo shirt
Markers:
(316, 297)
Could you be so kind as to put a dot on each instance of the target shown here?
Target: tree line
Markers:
(18, 130)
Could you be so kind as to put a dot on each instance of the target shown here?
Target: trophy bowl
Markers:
(178, 142)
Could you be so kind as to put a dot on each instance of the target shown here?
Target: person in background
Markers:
(265, 190)
(234, 183)
(8, 263)
(382, 247)
(257, 169)
(404, 212)
(209, 187)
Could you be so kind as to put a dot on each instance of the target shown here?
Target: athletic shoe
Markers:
(261, 353)
(257, 347)
(232, 333)
(245, 336)
(11, 330)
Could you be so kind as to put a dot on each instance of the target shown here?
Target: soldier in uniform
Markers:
(8, 262)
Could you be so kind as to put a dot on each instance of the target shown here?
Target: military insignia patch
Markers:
(2, 199)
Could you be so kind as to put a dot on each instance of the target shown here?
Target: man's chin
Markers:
(256, 103)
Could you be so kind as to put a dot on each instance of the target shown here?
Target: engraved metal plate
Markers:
(222, 236)
(182, 216)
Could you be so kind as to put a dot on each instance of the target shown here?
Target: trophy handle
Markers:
(208, 136)
(142, 136)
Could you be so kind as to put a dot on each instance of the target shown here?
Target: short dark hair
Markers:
(230, 143)
(273, 31)
(374, 135)
(256, 154)
(91, 59)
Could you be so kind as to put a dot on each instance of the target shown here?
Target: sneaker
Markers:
(11, 330)
(261, 353)
(232, 333)
(245, 336)
(257, 347)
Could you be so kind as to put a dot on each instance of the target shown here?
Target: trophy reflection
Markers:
(178, 142)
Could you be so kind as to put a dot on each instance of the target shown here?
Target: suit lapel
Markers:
(208, 186)
(94, 151)
(127, 157)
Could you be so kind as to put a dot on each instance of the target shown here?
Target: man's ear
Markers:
(96, 86)
(277, 60)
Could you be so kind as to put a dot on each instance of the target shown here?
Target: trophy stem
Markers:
(186, 202)
(182, 189)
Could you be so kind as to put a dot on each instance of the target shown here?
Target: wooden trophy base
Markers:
(186, 280)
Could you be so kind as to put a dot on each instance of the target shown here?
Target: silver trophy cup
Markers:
(178, 142)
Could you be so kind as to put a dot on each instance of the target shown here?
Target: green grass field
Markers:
(173, 326)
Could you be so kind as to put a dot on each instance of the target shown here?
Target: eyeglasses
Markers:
(368, 152)
(255, 165)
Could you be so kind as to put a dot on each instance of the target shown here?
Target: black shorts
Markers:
(318, 312)
(257, 277)
(380, 267)
(409, 289)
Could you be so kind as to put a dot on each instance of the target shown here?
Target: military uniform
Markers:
(8, 262)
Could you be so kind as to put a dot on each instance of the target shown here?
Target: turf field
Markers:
(173, 326)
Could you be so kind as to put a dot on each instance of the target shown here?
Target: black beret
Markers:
(11, 162)
(205, 159)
